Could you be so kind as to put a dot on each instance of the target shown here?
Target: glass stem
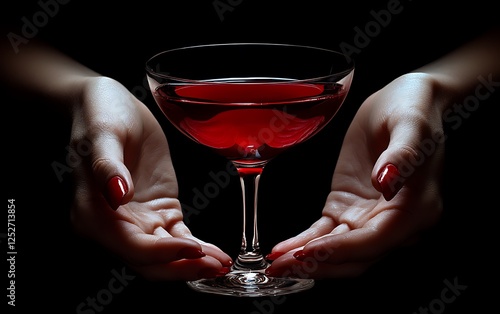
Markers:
(250, 256)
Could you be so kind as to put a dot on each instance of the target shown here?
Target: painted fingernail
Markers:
(213, 273)
(274, 255)
(390, 181)
(300, 255)
(190, 253)
(115, 191)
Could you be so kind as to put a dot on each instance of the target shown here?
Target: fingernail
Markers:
(116, 190)
(213, 273)
(190, 253)
(300, 255)
(390, 181)
(273, 256)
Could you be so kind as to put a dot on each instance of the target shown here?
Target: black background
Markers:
(56, 271)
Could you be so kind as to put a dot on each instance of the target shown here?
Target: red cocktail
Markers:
(249, 102)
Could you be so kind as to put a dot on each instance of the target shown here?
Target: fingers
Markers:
(289, 266)
(186, 269)
(110, 172)
(102, 152)
(180, 230)
(386, 174)
(218, 254)
(208, 248)
(410, 146)
(345, 252)
(162, 256)
(411, 121)
(141, 249)
(104, 122)
(189, 263)
(321, 227)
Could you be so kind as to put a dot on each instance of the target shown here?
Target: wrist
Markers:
(76, 89)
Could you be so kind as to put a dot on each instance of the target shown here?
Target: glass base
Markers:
(250, 284)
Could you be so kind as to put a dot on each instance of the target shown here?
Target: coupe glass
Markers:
(249, 102)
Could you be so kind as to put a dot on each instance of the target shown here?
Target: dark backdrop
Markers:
(56, 271)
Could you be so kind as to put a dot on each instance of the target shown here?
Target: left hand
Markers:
(365, 217)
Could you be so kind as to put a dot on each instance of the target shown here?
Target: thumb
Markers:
(110, 172)
(405, 153)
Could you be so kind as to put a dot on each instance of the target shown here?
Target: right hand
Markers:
(126, 188)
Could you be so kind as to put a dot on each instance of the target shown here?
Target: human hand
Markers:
(126, 188)
(385, 187)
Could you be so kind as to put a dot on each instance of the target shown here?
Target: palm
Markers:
(148, 231)
(358, 225)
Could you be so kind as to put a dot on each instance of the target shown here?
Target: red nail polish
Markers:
(190, 253)
(115, 191)
(273, 256)
(300, 255)
(390, 181)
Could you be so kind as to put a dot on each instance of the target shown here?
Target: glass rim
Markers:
(350, 64)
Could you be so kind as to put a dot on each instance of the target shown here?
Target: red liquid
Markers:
(250, 122)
